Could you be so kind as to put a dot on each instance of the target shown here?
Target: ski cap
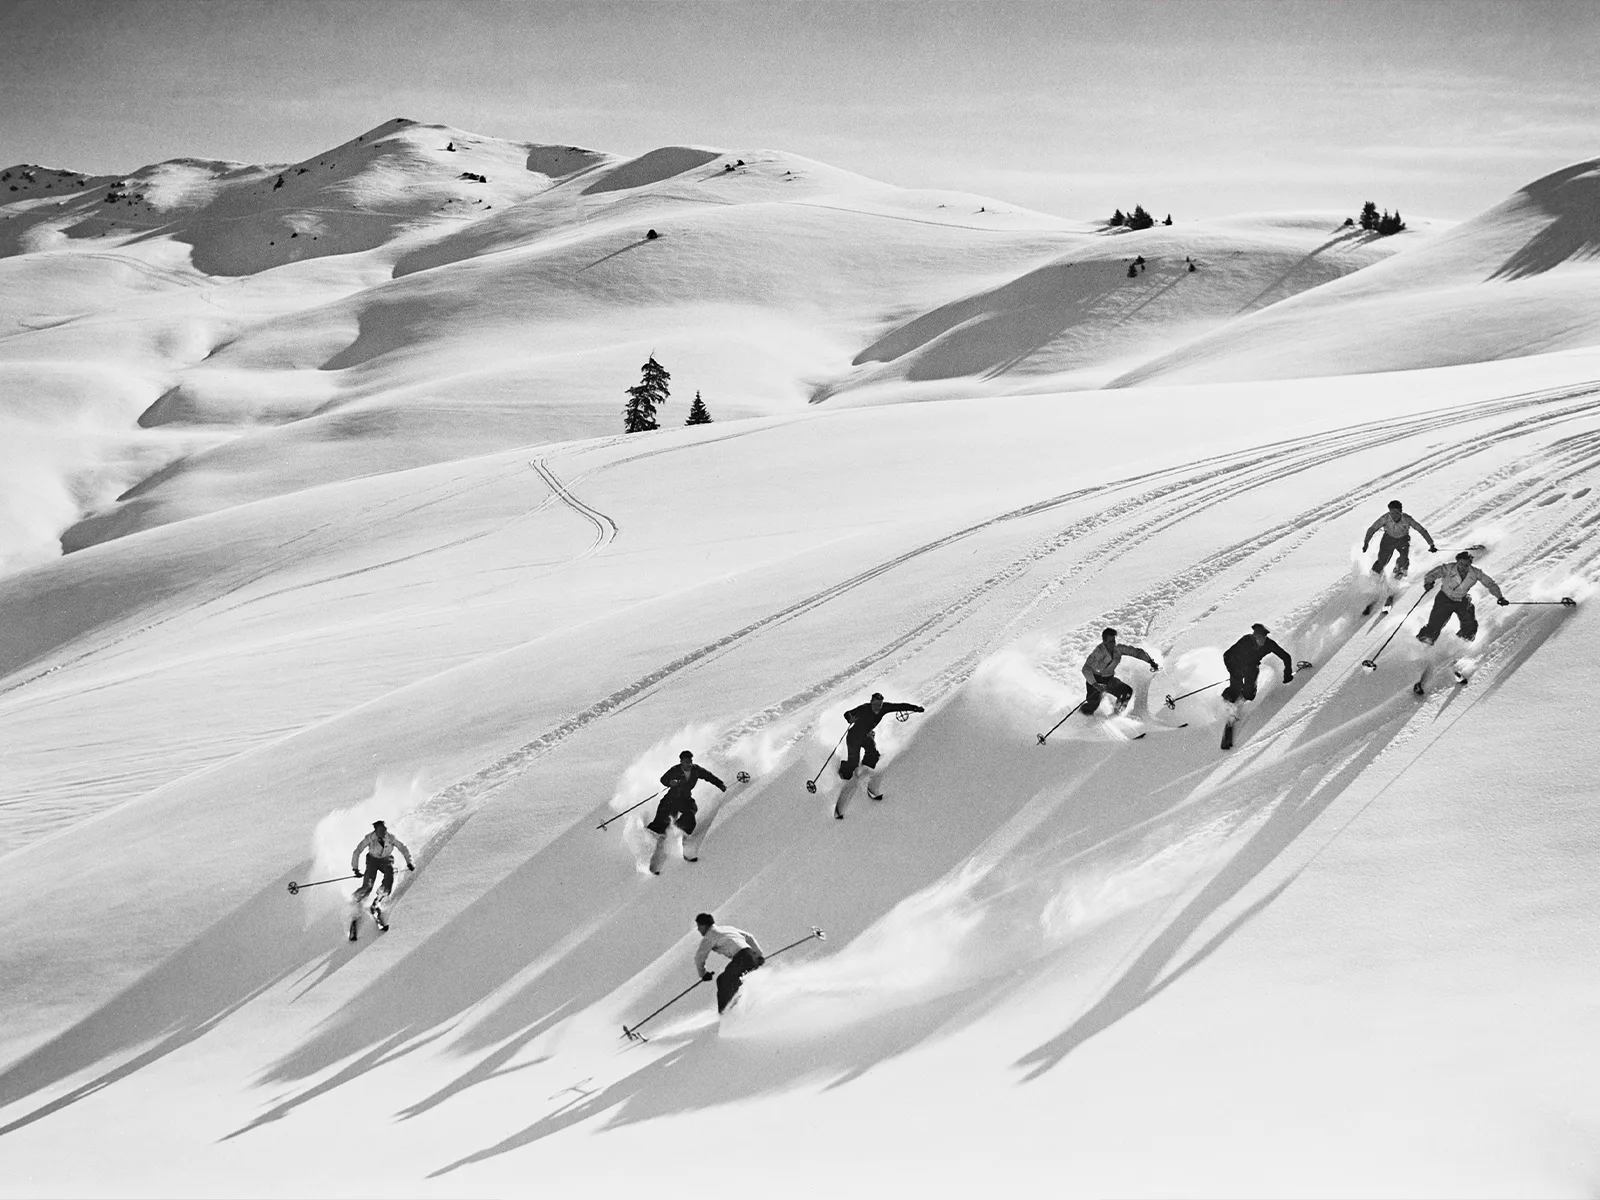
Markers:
(379, 825)
(1463, 557)
(1396, 505)
(1258, 627)
(685, 754)
(704, 919)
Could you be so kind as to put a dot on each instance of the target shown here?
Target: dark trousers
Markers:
(1443, 607)
(1401, 549)
(376, 867)
(1241, 681)
(862, 751)
(739, 966)
(1101, 685)
(676, 808)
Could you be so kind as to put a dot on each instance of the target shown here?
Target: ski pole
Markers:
(811, 784)
(815, 933)
(1057, 725)
(626, 811)
(1565, 602)
(1371, 664)
(1172, 701)
(294, 888)
(633, 1035)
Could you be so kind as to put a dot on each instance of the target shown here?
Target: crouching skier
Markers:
(1455, 581)
(379, 847)
(1100, 673)
(743, 952)
(1395, 528)
(862, 747)
(1243, 660)
(677, 807)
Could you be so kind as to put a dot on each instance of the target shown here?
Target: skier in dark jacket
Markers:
(861, 746)
(1243, 660)
(1395, 526)
(677, 807)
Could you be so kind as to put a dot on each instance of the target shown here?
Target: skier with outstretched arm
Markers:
(860, 745)
(1395, 526)
(379, 847)
(1243, 660)
(1455, 582)
(677, 807)
(743, 952)
(1100, 672)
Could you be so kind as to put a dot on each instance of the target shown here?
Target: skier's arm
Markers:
(1432, 577)
(903, 708)
(401, 846)
(709, 777)
(1426, 536)
(355, 855)
(669, 777)
(1371, 529)
(1494, 588)
(1132, 652)
(1088, 669)
(1288, 663)
(754, 945)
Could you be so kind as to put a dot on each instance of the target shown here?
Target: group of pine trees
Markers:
(1137, 219)
(649, 394)
(1383, 225)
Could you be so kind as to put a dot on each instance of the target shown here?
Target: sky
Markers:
(1198, 108)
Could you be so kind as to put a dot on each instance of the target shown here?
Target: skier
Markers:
(1243, 660)
(379, 846)
(1455, 580)
(1100, 672)
(677, 807)
(740, 948)
(862, 747)
(1396, 526)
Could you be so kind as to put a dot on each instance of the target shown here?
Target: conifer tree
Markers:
(1388, 224)
(1118, 219)
(1139, 219)
(1369, 216)
(698, 413)
(644, 397)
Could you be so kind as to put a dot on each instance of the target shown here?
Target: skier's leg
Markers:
(386, 869)
(852, 759)
(728, 982)
(1385, 549)
(1468, 616)
(1122, 691)
(1235, 687)
(1437, 616)
(1248, 689)
(665, 811)
(1402, 562)
(367, 879)
(1091, 699)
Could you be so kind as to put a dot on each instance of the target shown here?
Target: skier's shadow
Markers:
(260, 944)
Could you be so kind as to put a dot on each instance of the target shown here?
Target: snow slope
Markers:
(1353, 956)
(1093, 935)
(1521, 278)
(381, 308)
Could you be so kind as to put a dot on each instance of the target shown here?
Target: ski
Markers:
(1388, 603)
(354, 925)
(1227, 734)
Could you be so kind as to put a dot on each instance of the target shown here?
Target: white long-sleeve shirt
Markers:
(1104, 662)
(724, 940)
(1456, 581)
(378, 847)
(1397, 527)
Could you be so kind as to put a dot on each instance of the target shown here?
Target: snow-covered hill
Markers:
(1353, 955)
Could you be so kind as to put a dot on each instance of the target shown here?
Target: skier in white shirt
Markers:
(1100, 672)
(740, 948)
(1395, 526)
(379, 847)
(1455, 581)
